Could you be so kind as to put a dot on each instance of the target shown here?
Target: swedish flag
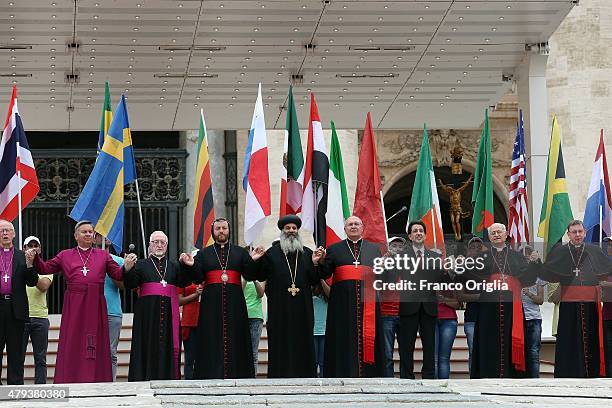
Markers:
(101, 200)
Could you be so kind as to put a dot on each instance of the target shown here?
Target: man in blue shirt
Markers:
(113, 305)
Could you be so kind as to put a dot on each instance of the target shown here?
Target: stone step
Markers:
(459, 356)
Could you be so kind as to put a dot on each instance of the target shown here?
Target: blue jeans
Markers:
(390, 330)
(446, 331)
(190, 345)
(256, 326)
(319, 346)
(533, 341)
(468, 329)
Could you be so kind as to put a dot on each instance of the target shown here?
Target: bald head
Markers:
(353, 227)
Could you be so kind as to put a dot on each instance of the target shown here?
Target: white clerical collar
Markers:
(223, 245)
(576, 246)
(83, 249)
(354, 242)
(7, 249)
(158, 258)
(499, 249)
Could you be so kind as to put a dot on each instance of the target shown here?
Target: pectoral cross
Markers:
(356, 263)
(293, 289)
(576, 271)
(5, 277)
(163, 283)
(84, 270)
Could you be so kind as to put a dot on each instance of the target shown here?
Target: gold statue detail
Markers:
(456, 212)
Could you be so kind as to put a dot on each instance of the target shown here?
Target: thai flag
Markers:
(598, 211)
(15, 160)
(256, 180)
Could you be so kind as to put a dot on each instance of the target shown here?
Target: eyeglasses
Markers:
(5, 230)
(159, 242)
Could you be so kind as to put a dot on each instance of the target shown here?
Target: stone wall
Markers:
(579, 81)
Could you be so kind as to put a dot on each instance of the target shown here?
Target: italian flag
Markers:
(336, 193)
(292, 170)
(425, 205)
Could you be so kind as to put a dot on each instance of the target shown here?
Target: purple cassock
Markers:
(83, 354)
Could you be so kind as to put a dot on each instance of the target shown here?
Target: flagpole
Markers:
(316, 210)
(433, 225)
(382, 204)
(601, 204)
(20, 222)
(144, 242)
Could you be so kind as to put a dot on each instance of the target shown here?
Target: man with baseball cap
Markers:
(37, 328)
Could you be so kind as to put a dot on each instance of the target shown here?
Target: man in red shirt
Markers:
(189, 298)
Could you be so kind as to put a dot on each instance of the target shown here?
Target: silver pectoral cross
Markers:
(5, 277)
(163, 283)
(356, 263)
(84, 270)
(576, 271)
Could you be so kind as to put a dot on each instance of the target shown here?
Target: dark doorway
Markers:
(400, 195)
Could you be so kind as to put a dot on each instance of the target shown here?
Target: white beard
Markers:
(290, 243)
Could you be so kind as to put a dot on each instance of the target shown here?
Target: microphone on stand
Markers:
(131, 249)
(401, 210)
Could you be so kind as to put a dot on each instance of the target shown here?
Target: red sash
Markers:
(211, 277)
(363, 273)
(518, 330)
(588, 294)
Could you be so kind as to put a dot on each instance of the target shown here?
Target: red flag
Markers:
(368, 199)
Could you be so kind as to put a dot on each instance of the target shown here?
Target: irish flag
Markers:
(424, 205)
(336, 193)
(292, 170)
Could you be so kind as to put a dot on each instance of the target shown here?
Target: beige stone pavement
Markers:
(335, 393)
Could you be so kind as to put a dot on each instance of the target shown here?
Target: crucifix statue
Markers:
(456, 212)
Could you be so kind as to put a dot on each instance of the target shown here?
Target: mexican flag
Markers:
(424, 205)
(482, 193)
(292, 170)
(336, 193)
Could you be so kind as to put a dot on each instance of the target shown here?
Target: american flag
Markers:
(518, 223)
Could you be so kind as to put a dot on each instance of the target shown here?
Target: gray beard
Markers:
(290, 243)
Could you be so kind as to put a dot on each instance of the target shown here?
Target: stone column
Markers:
(532, 96)
(216, 148)
(580, 91)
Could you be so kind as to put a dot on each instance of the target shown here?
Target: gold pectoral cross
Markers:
(293, 289)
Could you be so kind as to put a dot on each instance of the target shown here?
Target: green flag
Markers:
(336, 193)
(482, 192)
(424, 204)
(556, 209)
(292, 172)
(107, 117)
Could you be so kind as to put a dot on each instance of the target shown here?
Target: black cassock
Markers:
(492, 353)
(223, 336)
(344, 340)
(155, 352)
(577, 352)
(290, 318)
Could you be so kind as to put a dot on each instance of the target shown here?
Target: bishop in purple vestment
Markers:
(83, 354)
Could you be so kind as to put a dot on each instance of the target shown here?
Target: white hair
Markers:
(496, 224)
(158, 233)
